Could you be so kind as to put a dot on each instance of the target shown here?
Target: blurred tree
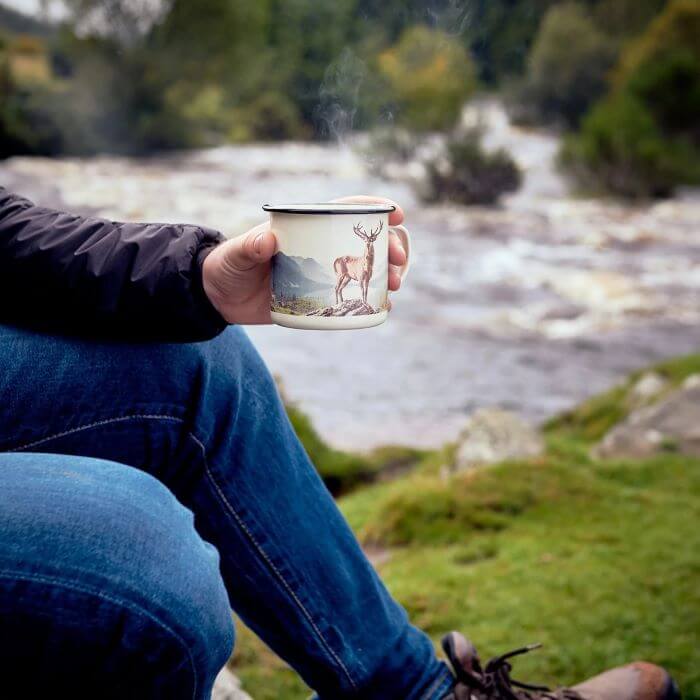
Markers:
(621, 150)
(500, 33)
(626, 18)
(26, 124)
(662, 69)
(430, 76)
(567, 67)
(644, 140)
(392, 17)
(308, 38)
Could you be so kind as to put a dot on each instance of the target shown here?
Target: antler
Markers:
(374, 233)
(359, 231)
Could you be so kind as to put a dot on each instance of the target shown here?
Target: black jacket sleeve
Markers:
(83, 275)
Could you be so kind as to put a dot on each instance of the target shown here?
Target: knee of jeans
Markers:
(122, 532)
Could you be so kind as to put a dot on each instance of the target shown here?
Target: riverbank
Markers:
(596, 558)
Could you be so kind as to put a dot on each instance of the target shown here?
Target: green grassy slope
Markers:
(600, 561)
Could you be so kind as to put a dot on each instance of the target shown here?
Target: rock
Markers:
(692, 381)
(351, 307)
(493, 435)
(228, 687)
(672, 424)
(647, 387)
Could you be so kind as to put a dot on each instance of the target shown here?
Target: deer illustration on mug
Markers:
(358, 268)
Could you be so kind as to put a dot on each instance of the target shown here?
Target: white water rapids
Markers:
(531, 306)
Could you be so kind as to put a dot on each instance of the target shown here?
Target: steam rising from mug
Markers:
(339, 95)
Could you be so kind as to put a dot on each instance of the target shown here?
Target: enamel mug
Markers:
(331, 269)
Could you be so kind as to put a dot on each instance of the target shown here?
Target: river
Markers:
(531, 306)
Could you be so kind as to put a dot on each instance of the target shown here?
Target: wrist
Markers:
(205, 287)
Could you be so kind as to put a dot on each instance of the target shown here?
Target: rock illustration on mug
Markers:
(303, 286)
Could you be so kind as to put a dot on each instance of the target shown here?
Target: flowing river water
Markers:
(531, 306)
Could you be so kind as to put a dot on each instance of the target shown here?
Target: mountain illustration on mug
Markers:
(303, 286)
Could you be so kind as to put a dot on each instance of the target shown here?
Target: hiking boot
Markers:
(637, 681)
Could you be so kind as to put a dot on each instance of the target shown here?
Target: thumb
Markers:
(252, 248)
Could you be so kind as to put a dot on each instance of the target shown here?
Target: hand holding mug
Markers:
(237, 274)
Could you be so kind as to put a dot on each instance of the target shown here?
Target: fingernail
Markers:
(257, 243)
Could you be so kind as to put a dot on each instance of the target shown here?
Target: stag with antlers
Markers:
(358, 268)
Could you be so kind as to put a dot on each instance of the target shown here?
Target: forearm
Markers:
(93, 276)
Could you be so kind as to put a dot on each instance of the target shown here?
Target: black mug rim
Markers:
(329, 208)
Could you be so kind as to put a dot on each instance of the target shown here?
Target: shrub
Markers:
(662, 69)
(620, 149)
(644, 140)
(430, 76)
(270, 117)
(567, 67)
(467, 174)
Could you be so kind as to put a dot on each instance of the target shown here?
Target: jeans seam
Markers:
(261, 552)
(134, 607)
(96, 424)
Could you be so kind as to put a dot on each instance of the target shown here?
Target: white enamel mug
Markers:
(331, 270)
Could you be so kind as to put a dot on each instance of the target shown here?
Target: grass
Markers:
(598, 560)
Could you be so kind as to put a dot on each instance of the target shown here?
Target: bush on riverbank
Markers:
(468, 174)
(644, 139)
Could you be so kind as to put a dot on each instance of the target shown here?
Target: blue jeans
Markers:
(147, 489)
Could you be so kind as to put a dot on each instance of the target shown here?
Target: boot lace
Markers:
(493, 682)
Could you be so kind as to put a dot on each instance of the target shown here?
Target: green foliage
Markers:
(500, 33)
(567, 67)
(626, 18)
(662, 70)
(620, 149)
(430, 76)
(271, 116)
(467, 174)
(644, 140)
(27, 124)
(195, 74)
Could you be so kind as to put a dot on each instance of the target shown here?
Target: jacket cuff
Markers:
(210, 320)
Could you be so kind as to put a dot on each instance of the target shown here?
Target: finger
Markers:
(397, 254)
(252, 248)
(395, 218)
(394, 278)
